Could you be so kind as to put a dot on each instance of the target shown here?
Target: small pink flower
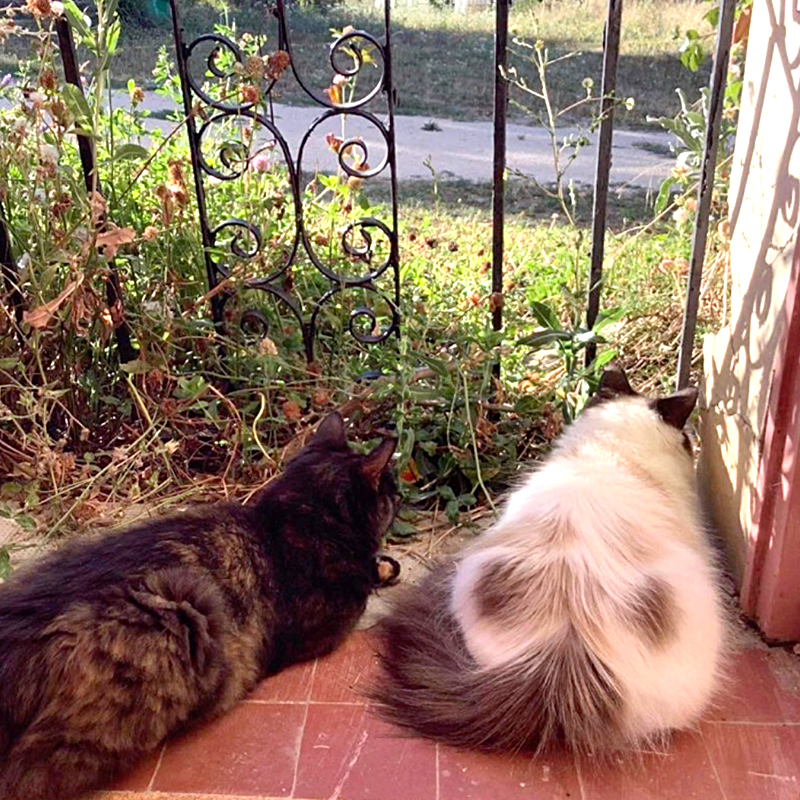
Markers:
(338, 80)
(261, 162)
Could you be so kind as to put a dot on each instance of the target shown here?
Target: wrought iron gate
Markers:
(367, 247)
(611, 46)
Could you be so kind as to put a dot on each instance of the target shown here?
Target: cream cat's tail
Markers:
(432, 686)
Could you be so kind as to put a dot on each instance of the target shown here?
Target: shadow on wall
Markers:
(739, 361)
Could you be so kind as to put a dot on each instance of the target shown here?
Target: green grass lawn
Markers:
(443, 61)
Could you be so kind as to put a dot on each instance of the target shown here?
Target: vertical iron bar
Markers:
(217, 301)
(72, 75)
(69, 60)
(603, 166)
(388, 86)
(10, 277)
(308, 327)
(498, 178)
(709, 166)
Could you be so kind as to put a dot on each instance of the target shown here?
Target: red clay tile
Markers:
(349, 753)
(138, 779)
(473, 776)
(756, 762)
(252, 750)
(682, 772)
(753, 694)
(785, 669)
(342, 676)
(291, 685)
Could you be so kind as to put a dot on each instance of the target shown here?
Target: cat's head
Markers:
(327, 469)
(638, 419)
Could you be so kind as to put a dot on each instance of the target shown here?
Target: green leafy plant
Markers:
(570, 342)
(689, 125)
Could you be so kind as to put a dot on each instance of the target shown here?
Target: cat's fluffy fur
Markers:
(109, 646)
(588, 616)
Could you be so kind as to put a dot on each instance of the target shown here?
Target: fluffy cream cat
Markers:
(589, 615)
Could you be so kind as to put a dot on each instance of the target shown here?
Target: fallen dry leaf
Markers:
(40, 316)
(112, 240)
(741, 31)
(99, 208)
(292, 411)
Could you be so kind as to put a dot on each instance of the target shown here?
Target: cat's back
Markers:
(593, 498)
(212, 539)
(606, 542)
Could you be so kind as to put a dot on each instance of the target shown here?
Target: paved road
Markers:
(462, 149)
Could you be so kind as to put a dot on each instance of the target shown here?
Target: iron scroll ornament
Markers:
(244, 239)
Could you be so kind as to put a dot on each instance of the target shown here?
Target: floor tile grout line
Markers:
(579, 776)
(158, 765)
(303, 730)
(311, 680)
(436, 762)
(752, 723)
(713, 764)
(299, 752)
(303, 702)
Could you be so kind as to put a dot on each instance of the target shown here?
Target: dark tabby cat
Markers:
(109, 646)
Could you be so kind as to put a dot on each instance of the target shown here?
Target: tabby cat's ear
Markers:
(677, 408)
(330, 432)
(614, 382)
(377, 461)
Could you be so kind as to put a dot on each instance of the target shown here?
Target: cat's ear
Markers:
(374, 464)
(330, 432)
(614, 383)
(677, 408)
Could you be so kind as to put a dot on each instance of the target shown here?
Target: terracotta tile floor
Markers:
(307, 734)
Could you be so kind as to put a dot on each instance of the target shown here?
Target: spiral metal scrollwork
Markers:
(367, 245)
(361, 315)
(360, 171)
(355, 148)
(254, 323)
(365, 251)
(242, 231)
(221, 45)
(364, 313)
(350, 42)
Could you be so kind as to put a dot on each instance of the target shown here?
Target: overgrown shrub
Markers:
(198, 413)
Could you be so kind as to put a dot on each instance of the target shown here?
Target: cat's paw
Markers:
(388, 570)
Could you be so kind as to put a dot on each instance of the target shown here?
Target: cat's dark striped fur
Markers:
(109, 646)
